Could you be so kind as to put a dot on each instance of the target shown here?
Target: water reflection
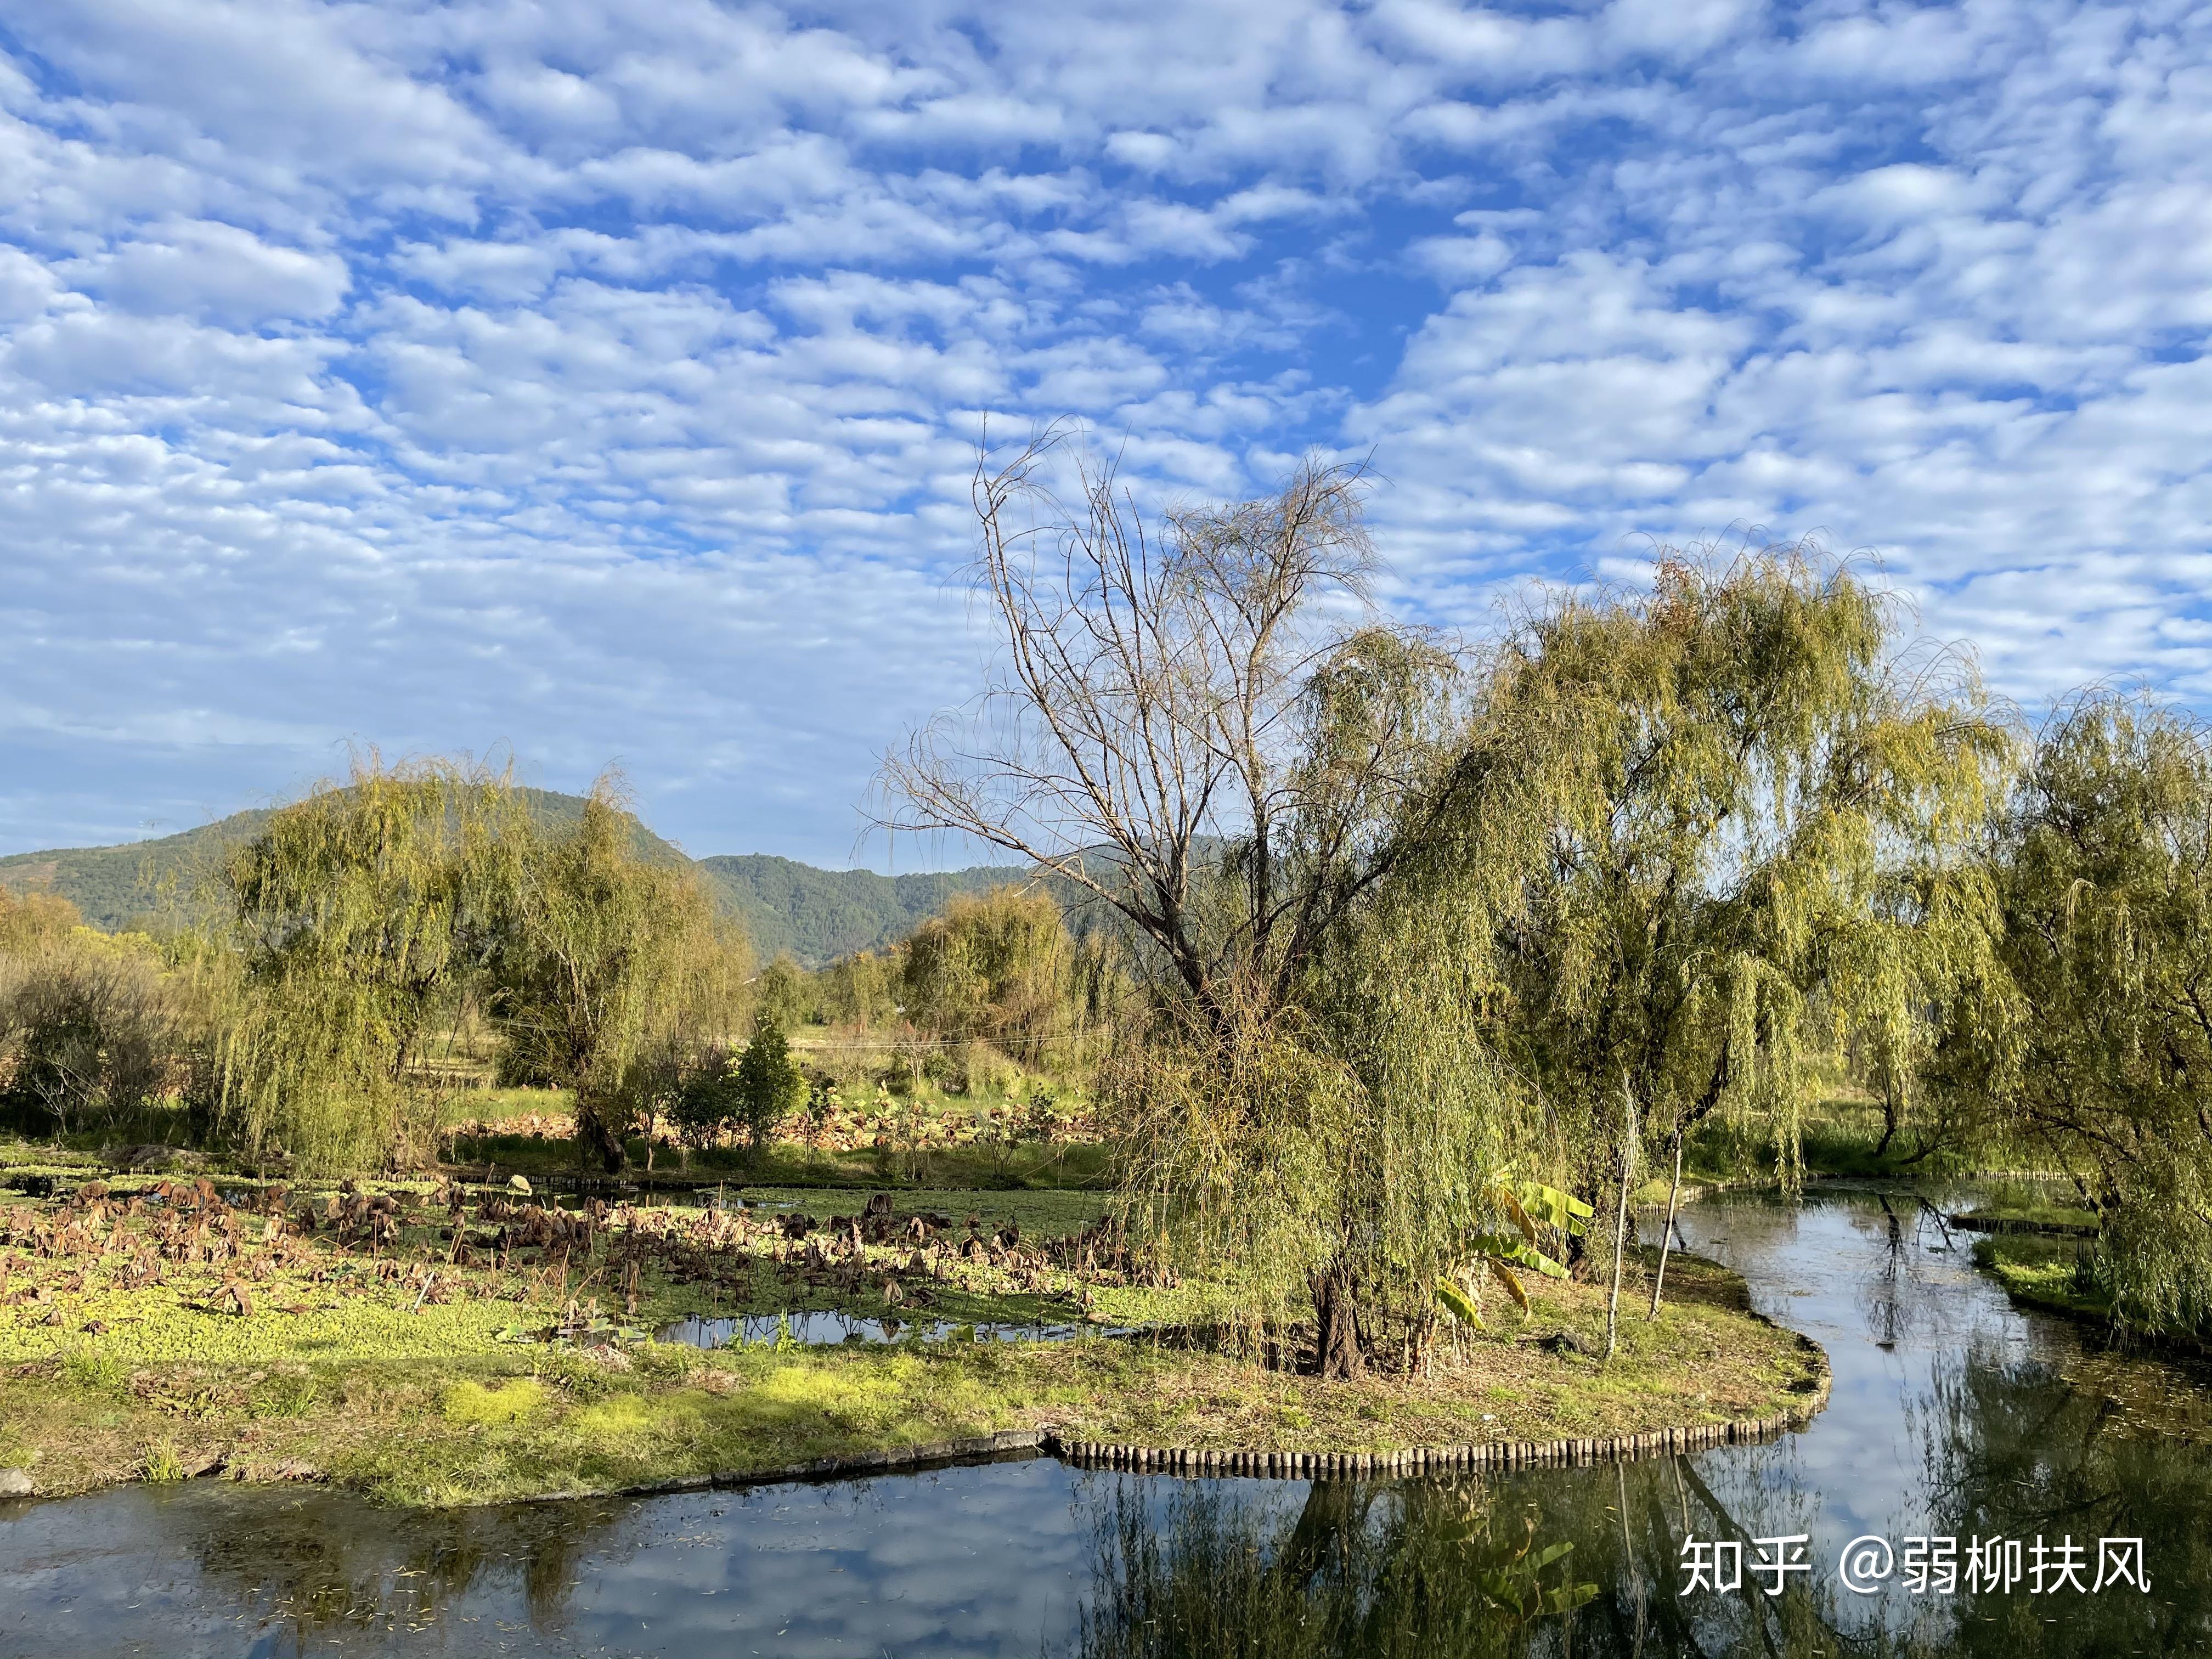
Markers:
(1952, 1415)
(817, 1330)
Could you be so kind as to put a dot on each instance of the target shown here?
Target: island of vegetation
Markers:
(1356, 987)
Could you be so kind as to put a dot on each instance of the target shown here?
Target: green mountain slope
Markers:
(820, 914)
(816, 914)
(113, 885)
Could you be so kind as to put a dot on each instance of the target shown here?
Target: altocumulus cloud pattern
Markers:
(605, 378)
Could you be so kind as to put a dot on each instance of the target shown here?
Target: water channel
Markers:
(1953, 1415)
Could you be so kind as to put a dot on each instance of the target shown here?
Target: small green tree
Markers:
(787, 993)
(91, 1027)
(704, 1102)
(767, 1083)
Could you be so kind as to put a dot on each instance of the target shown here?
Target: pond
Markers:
(815, 1329)
(1953, 1415)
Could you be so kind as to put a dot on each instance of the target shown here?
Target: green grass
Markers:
(1841, 1137)
(351, 1362)
(2035, 1212)
(2040, 1272)
(515, 1422)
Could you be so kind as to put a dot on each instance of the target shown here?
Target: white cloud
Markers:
(213, 271)
(606, 379)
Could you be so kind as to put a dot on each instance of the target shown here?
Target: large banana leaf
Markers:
(1517, 1252)
(1552, 1206)
(1460, 1304)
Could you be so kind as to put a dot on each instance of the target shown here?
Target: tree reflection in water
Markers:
(1975, 1420)
(1434, 1568)
(1448, 1569)
(328, 1567)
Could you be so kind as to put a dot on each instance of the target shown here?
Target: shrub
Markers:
(768, 1085)
(705, 1101)
(90, 1025)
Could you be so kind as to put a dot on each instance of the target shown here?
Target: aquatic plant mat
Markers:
(431, 1355)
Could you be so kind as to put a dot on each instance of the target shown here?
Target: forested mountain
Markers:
(820, 914)
(816, 914)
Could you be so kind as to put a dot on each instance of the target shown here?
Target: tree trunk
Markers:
(1666, 1238)
(1337, 1353)
(1888, 1121)
(1620, 1222)
(597, 1132)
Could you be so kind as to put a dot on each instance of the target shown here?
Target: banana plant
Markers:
(1531, 1207)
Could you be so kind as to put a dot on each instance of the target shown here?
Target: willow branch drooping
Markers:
(358, 912)
(1752, 807)
(2094, 1049)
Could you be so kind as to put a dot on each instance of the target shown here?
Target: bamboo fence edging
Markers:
(1491, 1455)
(1202, 1463)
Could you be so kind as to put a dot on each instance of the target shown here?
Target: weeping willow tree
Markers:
(604, 966)
(356, 916)
(1715, 831)
(2096, 1048)
(1001, 968)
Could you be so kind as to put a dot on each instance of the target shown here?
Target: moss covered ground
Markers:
(378, 1339)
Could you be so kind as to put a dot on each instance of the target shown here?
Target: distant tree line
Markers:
(304, 997)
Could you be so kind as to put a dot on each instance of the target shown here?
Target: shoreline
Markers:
(529, 1426)
(1014, 1445)
(2022, 1278)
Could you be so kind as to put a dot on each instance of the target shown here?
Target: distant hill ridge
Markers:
(818, 915)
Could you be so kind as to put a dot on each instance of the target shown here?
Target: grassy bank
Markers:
(2041, 1272)
(2045, 1272)
(152, 1333)
(1842, 1139)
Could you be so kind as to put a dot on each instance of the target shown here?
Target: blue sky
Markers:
(602, 381)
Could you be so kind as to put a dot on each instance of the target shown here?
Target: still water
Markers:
(823, 1329)
(1953, 1415)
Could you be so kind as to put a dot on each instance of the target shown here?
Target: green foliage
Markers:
(704, 1103)
(92, 1029)
(860, 992)
(356, 916)
(118, 888)
(1754, 828)
(1667, 849)
(767, 1084)
(997, 968)
(602, 961)
(2096, 1046)
(785, 994)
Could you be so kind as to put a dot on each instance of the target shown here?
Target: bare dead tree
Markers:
(1194, 715)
